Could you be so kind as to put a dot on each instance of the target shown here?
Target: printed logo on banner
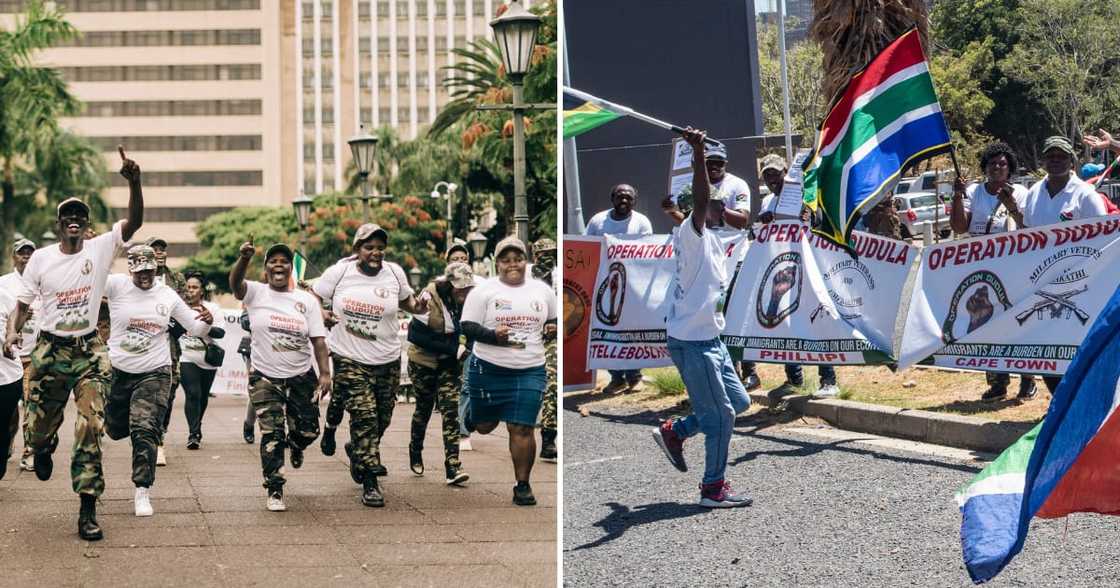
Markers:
(576, 302)
(980, 287)
(853, 275)
(611, 295)
(1054, 304)
(780, 290)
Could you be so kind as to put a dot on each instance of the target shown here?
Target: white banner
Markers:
(630, 304)
(1015, 302)
(801, 299)
(232, 377)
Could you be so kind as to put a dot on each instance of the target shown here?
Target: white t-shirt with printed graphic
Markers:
(696, 313)
(366, 306)
(12, 284)
(1077, 200)
(11, 370)
(138, 321)
(524, 309)
(194, 348)
(733, 191)
(283, 324)
(983, 204)
(70, 286)
(604, 224)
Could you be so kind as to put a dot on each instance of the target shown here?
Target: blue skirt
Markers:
(499, 394)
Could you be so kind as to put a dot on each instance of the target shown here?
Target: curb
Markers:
(951, 430)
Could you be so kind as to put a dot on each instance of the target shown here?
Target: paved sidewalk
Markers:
(211, 527)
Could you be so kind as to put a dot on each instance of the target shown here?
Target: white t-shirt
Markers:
(70, 286)
(138, 320)
(283, 324)
(733, 191)
(982, 204)
(602, 224)
(696, 313)
(524, 309)
(11, 370)
(366, 306)
(1077, 200)
(194, 348)
(12, 284)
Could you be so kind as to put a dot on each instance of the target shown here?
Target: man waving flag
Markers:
(883, 121)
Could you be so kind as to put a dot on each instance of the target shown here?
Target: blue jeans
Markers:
(716, 395)
(464, 398)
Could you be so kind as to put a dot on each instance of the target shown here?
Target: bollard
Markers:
(927, 234)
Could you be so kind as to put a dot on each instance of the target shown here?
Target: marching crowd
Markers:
(481, 351)
(717, 392)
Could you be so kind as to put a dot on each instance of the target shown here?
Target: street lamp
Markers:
(362, 146)
(414, 276)
(477, 242)
(515, 32)
(451, 187)
(302, 205)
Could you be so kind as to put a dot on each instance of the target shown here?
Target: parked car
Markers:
(927, 182)
(916, 209)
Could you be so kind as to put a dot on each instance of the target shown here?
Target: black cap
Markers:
(279, 248)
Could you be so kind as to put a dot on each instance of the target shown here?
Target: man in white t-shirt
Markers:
(984, 208)
(12, 283)
(621, 219)
(365, 293)
(694, 325)
(140, 313)
(1059, 197)
(729, 191)
(69, 279)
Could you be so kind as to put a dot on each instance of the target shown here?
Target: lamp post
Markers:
(362, 147)
(414, 276)
(477, 242)
(302, 205)
(515, 32)
(450, 187)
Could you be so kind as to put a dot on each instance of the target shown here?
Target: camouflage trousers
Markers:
(371, 394)
(136, 405)
(437, 387)
(336, 407)
(60, 367)
(176, 354)
(548, 403)
(287, 416)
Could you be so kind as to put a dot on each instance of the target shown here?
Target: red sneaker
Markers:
(671, 443)
(720, 495)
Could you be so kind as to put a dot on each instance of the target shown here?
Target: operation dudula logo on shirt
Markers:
(72, 306)
(288, 333)
(140, 333)
(361, 319)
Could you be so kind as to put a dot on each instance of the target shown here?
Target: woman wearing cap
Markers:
(197, 373)
(435, 365)
(287, 330)
(365, 293)
(141, 312)
(509, 318)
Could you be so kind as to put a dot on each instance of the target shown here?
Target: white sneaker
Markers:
(465, 444)
(276, 502)
(161, 459)
(143, 502)
(27, 463)
(828, 391)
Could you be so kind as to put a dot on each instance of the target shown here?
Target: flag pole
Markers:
(953, 156)
(632, 113)
(785, 80)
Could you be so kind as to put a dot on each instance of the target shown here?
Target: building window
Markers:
(193, 214)
(309, 151)
(162, 73)
(195, 178)
(139, 5)
(182, 143)
(173, 108)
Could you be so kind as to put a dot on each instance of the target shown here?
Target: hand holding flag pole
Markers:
(583, 102)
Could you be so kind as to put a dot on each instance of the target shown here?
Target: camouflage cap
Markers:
(153, 241)
(140, 258)
(510, 242)
(544, 244)
(773, 161)
(459, 274)
(717, 151)
(369, 230)
(22, 243)
(1060, 143)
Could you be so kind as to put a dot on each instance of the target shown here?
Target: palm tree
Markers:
(852, 32)
(61, 166)
(477, 77)
(31, 98)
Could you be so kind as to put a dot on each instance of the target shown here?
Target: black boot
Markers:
(455, 475)
(327, 444)
(88, 528)
(44, 465)
(416, 458)
(353, 465)
(548, 445)
(371, 494)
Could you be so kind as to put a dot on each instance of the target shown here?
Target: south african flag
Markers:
(583, 112)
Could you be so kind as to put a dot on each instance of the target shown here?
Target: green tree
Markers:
(808, 105)
(62, 165)
(32, 98)
(222, 234)
(958, 77)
